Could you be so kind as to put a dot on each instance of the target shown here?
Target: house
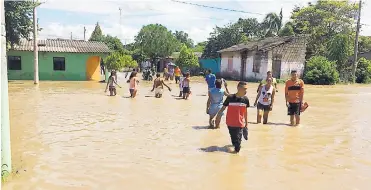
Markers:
(253, 59)
(58, 60)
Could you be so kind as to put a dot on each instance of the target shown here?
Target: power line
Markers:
(212, 7)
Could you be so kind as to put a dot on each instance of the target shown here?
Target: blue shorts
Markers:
(214, 108)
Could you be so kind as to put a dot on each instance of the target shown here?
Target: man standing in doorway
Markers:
(264, 81)
(294, 94)
(210, 79)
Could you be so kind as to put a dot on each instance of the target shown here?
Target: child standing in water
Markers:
(186, 87)
(215, 100)
(112, 81)
(181, 85)
(133, 84)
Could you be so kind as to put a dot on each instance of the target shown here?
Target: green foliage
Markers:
(183, 38)
(364, 44)
(363, 72)
(339, 48)
(322, 21)
(18, 20)
(224, 37)
(156, 41)
(321, 71)
(199, 47)
(97, 34)
(272, 24)
(118, 61)
(287, 30)
(114, 43)
(187, 59)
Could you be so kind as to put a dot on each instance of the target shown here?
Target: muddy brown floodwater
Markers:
(70, 135)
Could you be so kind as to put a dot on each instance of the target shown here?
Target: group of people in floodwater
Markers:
(236, 104)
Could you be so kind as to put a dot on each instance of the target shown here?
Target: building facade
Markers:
(69, 60)
(252, 60)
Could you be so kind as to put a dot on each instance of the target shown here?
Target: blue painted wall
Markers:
(213, 64)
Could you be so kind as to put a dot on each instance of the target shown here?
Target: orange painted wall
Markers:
(93, 68)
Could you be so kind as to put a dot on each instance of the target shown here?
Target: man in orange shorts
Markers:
(294, 94)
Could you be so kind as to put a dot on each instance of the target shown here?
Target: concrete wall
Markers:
(293, 58)
(75, 64)
(213, 64)
(235, 72)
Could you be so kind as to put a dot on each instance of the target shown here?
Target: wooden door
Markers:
(276, 66)
(243, 65)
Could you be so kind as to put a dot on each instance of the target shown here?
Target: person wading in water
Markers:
(294, 94)
(112, 81)
(215, 100)
(158, 85)
(264, 101)
(264, 81)
(236, 115)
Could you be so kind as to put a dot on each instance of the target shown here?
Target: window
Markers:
(14, 63)
(257, 63)
(59, 64)
(230, 64)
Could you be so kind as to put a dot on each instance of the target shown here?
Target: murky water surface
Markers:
(70, 135)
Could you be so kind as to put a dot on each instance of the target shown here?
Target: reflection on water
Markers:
(70, 135)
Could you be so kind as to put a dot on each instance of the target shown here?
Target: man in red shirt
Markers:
(236, 115)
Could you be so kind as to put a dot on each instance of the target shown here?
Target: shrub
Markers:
(363, 72)
(117, 61)
(320, 71)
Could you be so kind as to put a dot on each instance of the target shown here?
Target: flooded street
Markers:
(70, 135)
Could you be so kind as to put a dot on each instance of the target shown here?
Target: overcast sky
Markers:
(59, 18)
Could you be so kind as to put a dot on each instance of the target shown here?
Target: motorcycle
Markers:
(148, 74)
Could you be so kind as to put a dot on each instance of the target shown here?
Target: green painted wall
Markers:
(75, 66)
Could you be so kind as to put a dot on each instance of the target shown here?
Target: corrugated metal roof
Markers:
(259, 44)
(61, 45)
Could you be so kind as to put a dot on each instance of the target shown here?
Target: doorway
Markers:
(276, 66)
(93, 68)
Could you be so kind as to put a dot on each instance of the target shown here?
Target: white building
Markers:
(280, 55)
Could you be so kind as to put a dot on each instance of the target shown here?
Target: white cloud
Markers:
(197, 22)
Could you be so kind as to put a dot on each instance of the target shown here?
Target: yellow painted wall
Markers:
(93, 68)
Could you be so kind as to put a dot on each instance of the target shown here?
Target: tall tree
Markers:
(113, 43)
(322, 21)
(187, 59)
(97, 34)
(199, 47)
(156, 41)
(272, 24)
(287, 30)
(339, 49)
(183, 38)
(364, 44)
(223, 37)
(18, 20)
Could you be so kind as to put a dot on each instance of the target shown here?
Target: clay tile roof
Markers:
(62, 45)
(259, 44)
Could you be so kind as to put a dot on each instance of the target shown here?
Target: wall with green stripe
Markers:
(75, 66)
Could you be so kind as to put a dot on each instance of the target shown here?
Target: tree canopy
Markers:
(118, 61)
(187, 59)
(183, 38)
(156, 41)
(97, 34)
(18, 20)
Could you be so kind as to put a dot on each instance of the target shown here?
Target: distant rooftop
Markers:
(63, 45)
(260, 44)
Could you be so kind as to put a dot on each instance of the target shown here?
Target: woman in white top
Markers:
(264, 101)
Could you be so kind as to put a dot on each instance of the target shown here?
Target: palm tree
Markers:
(272, 24)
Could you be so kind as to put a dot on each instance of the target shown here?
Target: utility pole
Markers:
(35, 44)
(84, 32)
(6, 156)
(120, 25)
(71, 35)
(354, 68)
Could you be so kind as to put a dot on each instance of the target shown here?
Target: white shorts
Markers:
(159, 90)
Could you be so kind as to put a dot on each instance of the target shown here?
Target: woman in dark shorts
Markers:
(264, 101)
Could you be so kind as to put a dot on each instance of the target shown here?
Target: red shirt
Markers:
(237, 107)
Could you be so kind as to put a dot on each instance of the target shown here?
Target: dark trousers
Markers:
(236, 137)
